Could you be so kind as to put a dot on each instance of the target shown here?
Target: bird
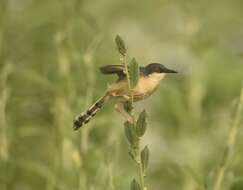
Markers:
(149, 80)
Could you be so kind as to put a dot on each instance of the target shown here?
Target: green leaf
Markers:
(134, 72)
(135, 185)
(141, 124)
(130, 132)
(145, 157)
(120, 45)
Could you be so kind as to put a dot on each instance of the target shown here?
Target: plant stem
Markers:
(84, 138)
(135, 149)
(128, 76)
(140, 167)
(4, 137)
(229, 145)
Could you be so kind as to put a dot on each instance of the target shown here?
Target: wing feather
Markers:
(113, 69)
(117, 69)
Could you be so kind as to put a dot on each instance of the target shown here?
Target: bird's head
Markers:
(157, 68)
(157, 71)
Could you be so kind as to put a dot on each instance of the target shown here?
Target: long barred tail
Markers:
(85, 117)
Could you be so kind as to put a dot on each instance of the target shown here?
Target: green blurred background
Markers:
(50, 52)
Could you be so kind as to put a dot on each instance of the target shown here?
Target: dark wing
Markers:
(119, 70)
(113, 69)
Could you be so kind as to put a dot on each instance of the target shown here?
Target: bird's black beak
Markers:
(170, 71)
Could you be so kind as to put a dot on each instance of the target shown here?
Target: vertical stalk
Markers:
(124, 58)
(135, 149)
(4, 91)
(139, 164)
(229, 145)
(4, 137)
(63, 65)
(88, 61)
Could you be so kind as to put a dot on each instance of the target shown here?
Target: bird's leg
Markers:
(120, 109)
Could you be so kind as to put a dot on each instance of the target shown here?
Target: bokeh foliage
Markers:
(50, 52)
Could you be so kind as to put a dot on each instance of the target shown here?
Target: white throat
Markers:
(157, 76)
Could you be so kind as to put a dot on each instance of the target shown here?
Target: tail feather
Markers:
(85, 117)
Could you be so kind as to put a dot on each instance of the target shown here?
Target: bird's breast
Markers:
(144, 88)
(146, 85)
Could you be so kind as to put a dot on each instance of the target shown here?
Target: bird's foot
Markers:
(120, 109)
